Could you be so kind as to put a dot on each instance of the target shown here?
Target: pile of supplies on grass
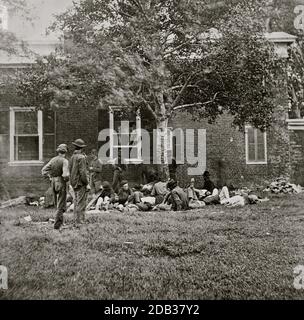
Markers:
(282, 185)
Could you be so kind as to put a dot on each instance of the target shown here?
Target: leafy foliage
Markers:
(11, 45)
(296, 80)
(206, 57)
(281, 15)
(56, 82)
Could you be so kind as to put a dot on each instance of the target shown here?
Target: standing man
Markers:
(208, 183)
(57, 169)
(95, 171)
(79, 179)
(117, 177)
(173, 169)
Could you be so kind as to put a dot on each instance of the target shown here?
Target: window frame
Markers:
(250, 162)
(44, 134)
(13, 161)
(137, 160)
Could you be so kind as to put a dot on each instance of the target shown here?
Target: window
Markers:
(125, 136)
(25, 135)
(3, 18)
(256, 146)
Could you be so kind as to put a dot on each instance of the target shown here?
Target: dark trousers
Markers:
(60, 192)
(117, 178)
(135, 197)
(95, 186)
(80, 204)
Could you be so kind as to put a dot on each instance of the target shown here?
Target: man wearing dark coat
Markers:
(79, 180)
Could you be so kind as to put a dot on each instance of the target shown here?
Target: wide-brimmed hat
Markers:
(79, 143)
(206, 174)
(62, 148)
(106, 185)
(171, 184)
(123, 182)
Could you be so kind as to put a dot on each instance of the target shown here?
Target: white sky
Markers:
(42, 12)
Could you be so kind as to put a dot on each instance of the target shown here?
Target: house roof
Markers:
(280, 37)
(277, 37)
(37, 48)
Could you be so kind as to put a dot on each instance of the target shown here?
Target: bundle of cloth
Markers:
(282, 185)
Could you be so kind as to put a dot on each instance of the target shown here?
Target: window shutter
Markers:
(4, 136)
(103, 119)
(103, 123)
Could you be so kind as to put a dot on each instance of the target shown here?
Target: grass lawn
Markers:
(212, 253)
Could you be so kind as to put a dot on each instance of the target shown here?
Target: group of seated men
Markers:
(166, 195)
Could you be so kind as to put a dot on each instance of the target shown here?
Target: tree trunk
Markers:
(162, 149)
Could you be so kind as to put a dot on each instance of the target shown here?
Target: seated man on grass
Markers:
(193, 196)
(212, 194)
(125, 193)
(137, 195)
(208, 183)
(137, 201)
(107, 197)
(176, 196)
(159, 190)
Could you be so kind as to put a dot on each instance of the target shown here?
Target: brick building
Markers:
(28, 138)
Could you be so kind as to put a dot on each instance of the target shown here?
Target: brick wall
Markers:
(226, 156)
(71, 123)
(297, 156)
(75, 122)
(21, 181)
(226, 159)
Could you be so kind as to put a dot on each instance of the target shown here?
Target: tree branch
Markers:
(178, 87)
(138, 4)
(176, 48)
(197, 104)
(188, 105)
(119, 12)
(184, 87)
